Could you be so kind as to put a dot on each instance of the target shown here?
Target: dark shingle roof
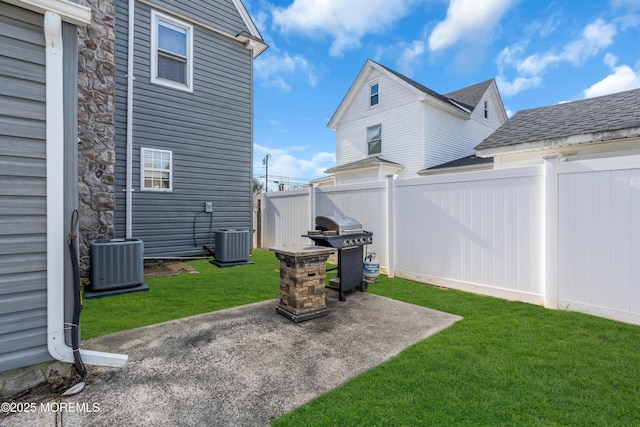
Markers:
(471, 95)
(464, 161)
(467, 97)
(594, 115)
(415, 84)
(368, 162)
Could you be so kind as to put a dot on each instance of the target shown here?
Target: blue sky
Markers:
(540, 52)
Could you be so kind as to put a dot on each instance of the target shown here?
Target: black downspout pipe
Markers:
(77, 300)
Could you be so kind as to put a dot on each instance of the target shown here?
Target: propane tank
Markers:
(371, 267)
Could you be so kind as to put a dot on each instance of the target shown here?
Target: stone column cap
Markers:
(302, 251)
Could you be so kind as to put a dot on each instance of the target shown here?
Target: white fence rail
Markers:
(565, 234)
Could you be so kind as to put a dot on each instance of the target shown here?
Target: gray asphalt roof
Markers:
(369, 161)
(464, 161)
(605, 113)
(468, 97)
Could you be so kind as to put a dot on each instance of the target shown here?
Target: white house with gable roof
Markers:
(388, 124)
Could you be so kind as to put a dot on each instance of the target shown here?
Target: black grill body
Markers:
(350, 246)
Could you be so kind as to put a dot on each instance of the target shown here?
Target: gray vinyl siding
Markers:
(221, 14)
(23, 291)
(208, 131)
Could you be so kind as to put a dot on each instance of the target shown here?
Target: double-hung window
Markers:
(157, 170)
(374, 96)
(171, 52)
(374, 139)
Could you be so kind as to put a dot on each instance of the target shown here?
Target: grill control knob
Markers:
(346, 242)
(369, 240)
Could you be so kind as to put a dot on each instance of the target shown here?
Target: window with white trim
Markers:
(374, 95)
(486, 109)
(157, 170)
(374, 139)
(171, 52)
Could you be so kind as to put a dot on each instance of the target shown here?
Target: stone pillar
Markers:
(302, 277)
(96, 127)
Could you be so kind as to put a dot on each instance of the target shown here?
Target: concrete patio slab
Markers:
(244, 366)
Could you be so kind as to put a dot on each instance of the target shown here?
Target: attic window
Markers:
(373, 95)
(171, 52)
(486, 109)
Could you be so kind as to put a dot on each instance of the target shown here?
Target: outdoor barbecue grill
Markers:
(347, 236)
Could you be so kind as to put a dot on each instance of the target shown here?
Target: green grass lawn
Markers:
(505, 363)
(175, 297)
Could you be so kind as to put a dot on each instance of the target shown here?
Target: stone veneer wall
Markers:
(96, 130)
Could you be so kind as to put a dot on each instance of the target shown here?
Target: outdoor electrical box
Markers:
(208, 207)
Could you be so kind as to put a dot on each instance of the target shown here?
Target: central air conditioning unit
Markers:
(116, 264)
(232, 246)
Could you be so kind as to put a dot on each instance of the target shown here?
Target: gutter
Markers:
(55, 209)
(559, 143)
(451, 107)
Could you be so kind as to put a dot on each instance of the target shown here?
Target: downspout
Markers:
(55, 209)
(129, 160)
(250, 46)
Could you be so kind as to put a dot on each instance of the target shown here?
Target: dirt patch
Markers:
(52, 389)
(167, 268)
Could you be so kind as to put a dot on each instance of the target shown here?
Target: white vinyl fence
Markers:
(599, 238)
(562, 234)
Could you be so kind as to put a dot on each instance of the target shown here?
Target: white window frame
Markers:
(143, 169)
(486, 109)
(377, 94)
(156, 17)
(379, 140)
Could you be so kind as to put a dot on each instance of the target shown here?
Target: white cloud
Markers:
(318, 164)
(627, 21)
(610, 59)
(410, 54)
(271, 67)
(595, 37)
(465, 20)
(279, 83)
(537, 63)
(290, 164)
(626, 4)
(548, 27)
(622, 78)
(346, 22)
(508, 58)
(519, 84)
(267, 65)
